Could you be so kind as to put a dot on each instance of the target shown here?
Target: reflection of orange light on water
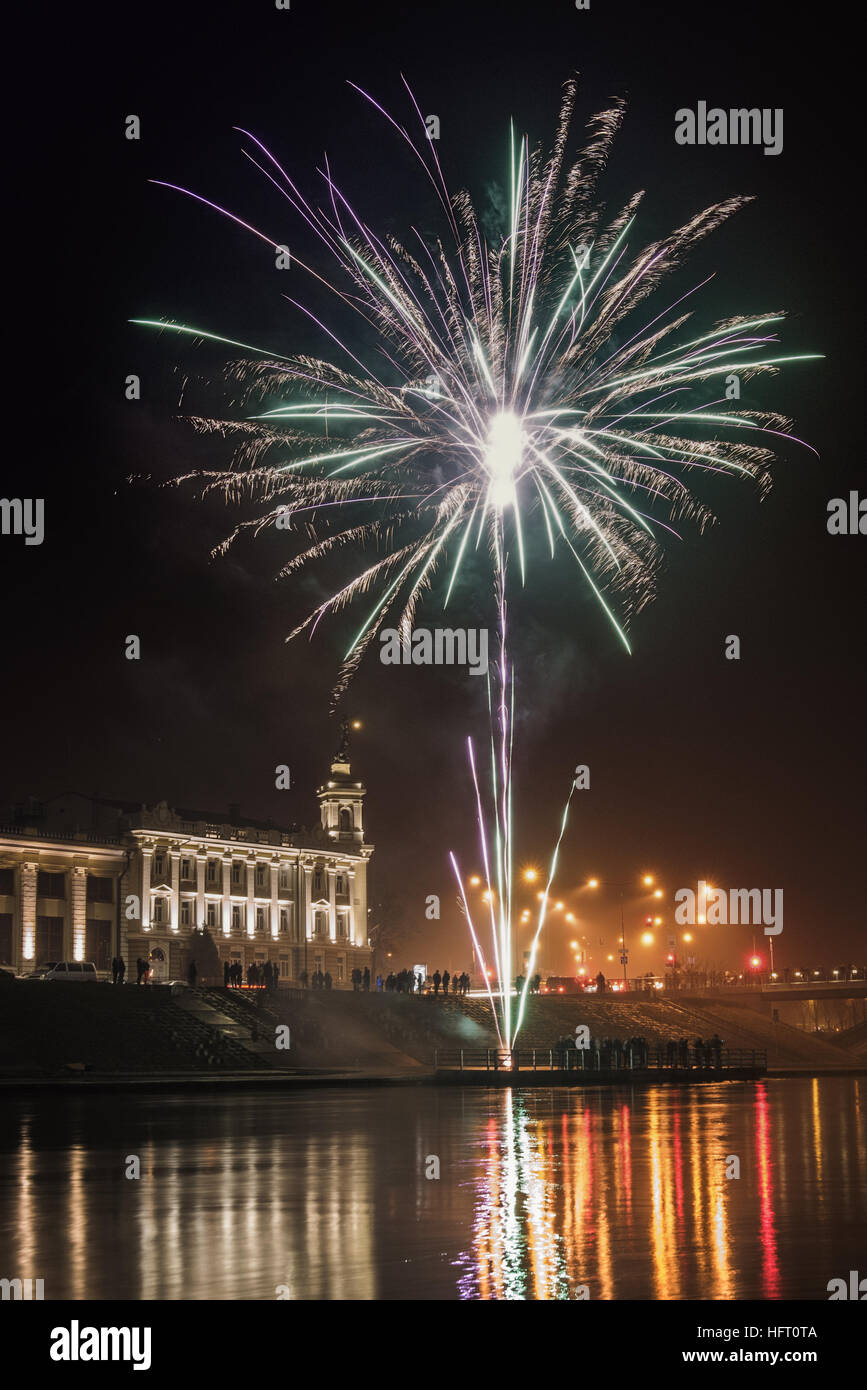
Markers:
(678, 1168)
(626, 1155)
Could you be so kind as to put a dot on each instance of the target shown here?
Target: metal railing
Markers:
(623, 1059)
(35, 832)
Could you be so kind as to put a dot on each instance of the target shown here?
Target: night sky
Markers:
(747, 774)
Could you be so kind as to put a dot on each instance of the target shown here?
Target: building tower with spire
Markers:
(341, 799)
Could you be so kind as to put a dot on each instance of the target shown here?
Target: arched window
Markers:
(345, 818)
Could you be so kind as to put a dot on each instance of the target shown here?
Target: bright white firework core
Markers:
(503, 458)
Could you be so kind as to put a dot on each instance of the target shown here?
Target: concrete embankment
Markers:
(89, 1035)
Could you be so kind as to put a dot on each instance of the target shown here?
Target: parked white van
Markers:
(75, 971)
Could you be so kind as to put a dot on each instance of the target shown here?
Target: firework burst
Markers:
(520, 397)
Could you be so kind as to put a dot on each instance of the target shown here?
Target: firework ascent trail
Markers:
(514, 397)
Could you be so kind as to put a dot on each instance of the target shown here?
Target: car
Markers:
(42, 970)
(73, 971)
(561, 984)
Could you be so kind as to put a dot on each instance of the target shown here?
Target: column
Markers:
(332, 902)
(201, 870)
(251, 894)
(147, 855)
(78, 885)
(275, 901)
(295, 918)
(351, 876)
(27, 901)
(175, 908)
(308, 893)
(227, 889)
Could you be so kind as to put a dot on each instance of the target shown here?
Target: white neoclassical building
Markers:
(90, 878)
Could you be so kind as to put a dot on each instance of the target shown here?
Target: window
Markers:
(320, 920)
(236, 873)
(186, 914)
(345, 818)
(317, 883)
(212, 871)
(99, 890)
(159, 912)
(211, 915)
(260, 919)
(50, 885)
(285, 881)
(341, 884)
(5, 938)
(7, 882)
(49, 939)
(236, 917)
(159, 866)
(97, 939)
(284, 921)
(187, 870)
(260, 876)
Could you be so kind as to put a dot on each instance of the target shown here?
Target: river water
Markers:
(541, 1194)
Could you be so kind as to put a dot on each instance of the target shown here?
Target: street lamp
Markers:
(648, 880)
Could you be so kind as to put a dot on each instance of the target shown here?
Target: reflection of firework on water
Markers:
(522, 1208)
(513, 404)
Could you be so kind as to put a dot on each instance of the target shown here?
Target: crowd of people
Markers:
(317, 980)
(604, 1054)
(264, 976)
(403, 982)
(705, 1053)
(414, 982)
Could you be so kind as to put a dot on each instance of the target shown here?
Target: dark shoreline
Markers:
(254, 1081)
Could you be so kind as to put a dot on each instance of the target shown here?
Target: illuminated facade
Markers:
(140, 879)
